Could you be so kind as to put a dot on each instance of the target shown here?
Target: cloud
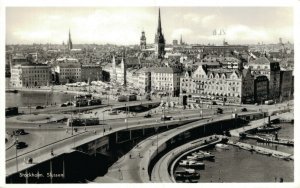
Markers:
(207, 20)
(192, 17)
(236, 32)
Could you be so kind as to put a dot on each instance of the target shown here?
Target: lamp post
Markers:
(16, 145)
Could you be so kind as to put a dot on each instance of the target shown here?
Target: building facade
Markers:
(31, 75)
(118, 72)
(165, 80)
(262, 66)
(223, 85)
(68, 73)
(261, 89)
(286, 84)
(91, 72)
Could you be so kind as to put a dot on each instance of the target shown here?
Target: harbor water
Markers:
(238, 165)
(29, 98)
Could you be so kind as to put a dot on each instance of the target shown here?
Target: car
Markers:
(147, 116)
(28, 160)
(21, 145)
(19, 132)
(219, 111)
(63, 105)
(113, 113)
(166, 118)
(39, 107)
(244, 110)
(213, 102)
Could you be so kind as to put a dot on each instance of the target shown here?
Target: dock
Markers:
(252, 125)
(261, 150)
(270, 139)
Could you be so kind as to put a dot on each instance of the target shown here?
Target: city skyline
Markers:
(123, 25)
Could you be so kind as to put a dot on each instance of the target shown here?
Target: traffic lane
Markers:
(43, 154)
(36, 139)
(61, 133)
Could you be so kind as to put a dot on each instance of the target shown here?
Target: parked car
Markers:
(147, 116)
(166, 118)
(113, 113)
(19, 132)
(219, 111)
(244, 110)
(21, 145)
(39, 107)
(63, 105)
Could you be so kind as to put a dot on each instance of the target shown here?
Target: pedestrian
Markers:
(52, 154)
(129, 156)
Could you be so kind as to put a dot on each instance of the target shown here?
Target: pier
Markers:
(261, 150)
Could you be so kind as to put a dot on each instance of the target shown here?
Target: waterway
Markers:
(26, 98)
(237, 165)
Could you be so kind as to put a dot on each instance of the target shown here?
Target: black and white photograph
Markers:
(149, 94)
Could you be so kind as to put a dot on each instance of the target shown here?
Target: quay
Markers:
(253, 125)
(261, 150)
(270, 139)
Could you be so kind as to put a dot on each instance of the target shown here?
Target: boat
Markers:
(222, 146)
(263, 152)
(268, 128)
(246, 147)
(187, 174)
(201, 155)
(192, 164)
(12, 91)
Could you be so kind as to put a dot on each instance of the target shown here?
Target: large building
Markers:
(159, 41)
(30, 75)
(144, 80)
(262, 66)
(224, 85)
(286, 84)
(165, 80)
(261, 89)
(68, 73)
(91, 72)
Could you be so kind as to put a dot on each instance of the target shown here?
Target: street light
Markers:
(16, 145)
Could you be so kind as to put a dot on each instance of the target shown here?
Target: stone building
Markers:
(261, 89)
(165, 80)
(91, 72)
(223, 85)
(30, 75)
(262, 66)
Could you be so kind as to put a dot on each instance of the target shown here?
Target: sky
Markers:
(123, 25)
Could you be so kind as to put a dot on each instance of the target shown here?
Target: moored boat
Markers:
(192, 164)
(222, 146)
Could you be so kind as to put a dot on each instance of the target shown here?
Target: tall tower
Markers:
(159, 40)
(70, 45)
(143, 41)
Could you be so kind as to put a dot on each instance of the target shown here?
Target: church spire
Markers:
(159, 22)
(70, 45)
(159, 39)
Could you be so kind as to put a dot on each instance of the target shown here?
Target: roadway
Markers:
(52, 132)
(135, 168)
(42, 153)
